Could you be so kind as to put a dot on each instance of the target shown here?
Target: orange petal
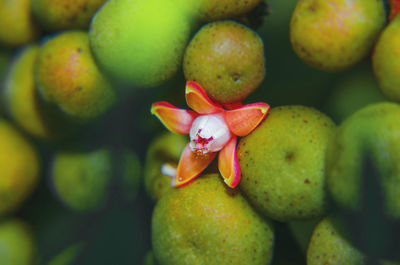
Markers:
(190, 166)
(198, 100)
(232, 106)
(245, 119)
(228, 164)
(176, 120)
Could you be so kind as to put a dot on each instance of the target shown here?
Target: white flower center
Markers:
(209, 133)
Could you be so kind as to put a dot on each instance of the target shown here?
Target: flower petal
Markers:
(198, 100)
(176, 120)
(190, 166)
(228, 164)
(245, 119)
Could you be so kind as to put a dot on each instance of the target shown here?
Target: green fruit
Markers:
(386, 60)
(149, 259)
(208, 223)
(227, 60)
(23, 101)
(140, 43)
(16, 243)
(16, 23)
(68, 256)
(352, 94)
(329, 245)
(372, 132)
(335, 34)
(64, 14)
(282, 163)
(81, 179)
(165, 149)
(67, 76)
(19, 167)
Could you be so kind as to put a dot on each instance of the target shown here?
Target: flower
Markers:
(211, 129)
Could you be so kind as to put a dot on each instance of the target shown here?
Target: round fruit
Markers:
(16, 23)
(19, 167)
(16, 243)
(371, 133)
(333, 35)
(64, 14)
(282, 163)
(23, 101)
(227, 59)
(386, 60)
(206, 222)
(140, 43)
(165, 149)
(67, 76)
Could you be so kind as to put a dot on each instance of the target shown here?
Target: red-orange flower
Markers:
(211, 129)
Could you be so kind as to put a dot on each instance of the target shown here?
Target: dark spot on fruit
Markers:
(307, 181)
(305, 121)
(79, 50)
(79, 89)
(332, 233)
(218, 77)
(255, 182)
(289, 156)
(235, 77)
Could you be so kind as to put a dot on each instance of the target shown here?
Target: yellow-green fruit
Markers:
(16, 23)
(283, 161)
(386, 60)
(140, 43)
(57, 15)
(81, 179)
(24, 103)
(16, 243)
(67, 76)
(226, 59)
(19, 168)
(333, 35)
(208, 223)
(370, 133)
(165, 149)
(329, 245)
(352, 94)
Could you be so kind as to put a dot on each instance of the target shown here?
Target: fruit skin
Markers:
(20, 168)
(370, 132)
(16, 242)
(166, 148)
(282, 163)
(23, 102)
(63, 14)
(67, 76)
(386, 61)
(206, 222)
(333, 35)
(329, 245)
(140, 43)
(17, 26)
(226, 59)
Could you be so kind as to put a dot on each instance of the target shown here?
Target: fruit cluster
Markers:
(311, 178)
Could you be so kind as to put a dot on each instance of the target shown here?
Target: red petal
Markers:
(176, 120)
(228, 164)
(190, 166)
(198, 100)
(232, 106)
(245, 119)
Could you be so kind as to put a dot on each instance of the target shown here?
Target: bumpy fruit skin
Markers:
(371, 132)
(329, 245)
(282, 163)
(16, 23)
(67, 76)
(166, 148)
(386, 60)
(24, 103)
(206, 222)
(227, 59)
(81, 179)
(333, 35)
(57, 15)
(16, 243)
(19, 165)
(140, 43)
(352, 94)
